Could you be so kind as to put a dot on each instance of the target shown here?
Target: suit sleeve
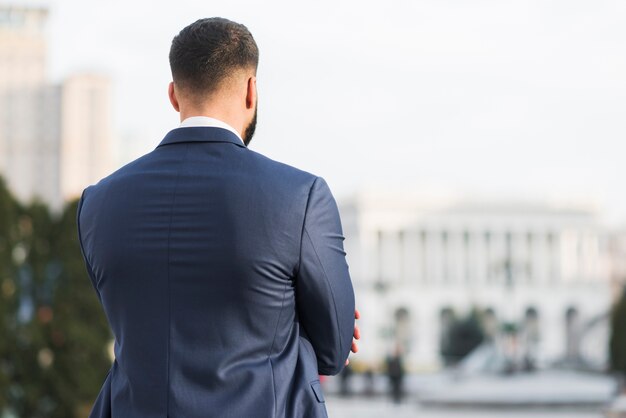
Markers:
(324, 293)
(82, 249)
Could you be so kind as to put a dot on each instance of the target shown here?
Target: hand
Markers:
(357, 335)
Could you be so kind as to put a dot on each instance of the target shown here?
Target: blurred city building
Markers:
(55, 139)
(618, 261)
(539, 275)
(86, 132)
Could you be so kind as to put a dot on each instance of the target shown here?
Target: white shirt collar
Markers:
(208, 121)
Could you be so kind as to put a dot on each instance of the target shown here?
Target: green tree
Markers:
(617, 343)
(463, 336)
(34, 224)
(53, 332)
(9, 295)
(79, 332)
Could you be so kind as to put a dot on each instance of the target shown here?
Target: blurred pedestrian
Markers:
(395, 373)
(344, 381)
(368, 376)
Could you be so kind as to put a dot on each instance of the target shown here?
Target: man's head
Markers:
(214, 63)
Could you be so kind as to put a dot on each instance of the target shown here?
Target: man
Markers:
(222, 273)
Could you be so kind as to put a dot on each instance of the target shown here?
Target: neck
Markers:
(217, 112)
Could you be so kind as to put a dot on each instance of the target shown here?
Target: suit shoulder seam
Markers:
(306, 211)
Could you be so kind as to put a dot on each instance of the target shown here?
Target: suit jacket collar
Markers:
(201, 134)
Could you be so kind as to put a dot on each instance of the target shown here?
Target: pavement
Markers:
(544, 394)
(548, 389)
(383, 408)
(540, 389)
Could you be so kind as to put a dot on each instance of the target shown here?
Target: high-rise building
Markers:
(54, 139)
(23, 158)
(22, 46)
(86, 133)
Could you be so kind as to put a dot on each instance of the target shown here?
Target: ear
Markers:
(251, 93)
(172, 95)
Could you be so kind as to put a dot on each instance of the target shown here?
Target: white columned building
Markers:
(522, 263)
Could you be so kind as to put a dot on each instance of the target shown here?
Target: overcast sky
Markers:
(486, 97)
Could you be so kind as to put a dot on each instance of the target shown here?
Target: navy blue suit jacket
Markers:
(223, 277)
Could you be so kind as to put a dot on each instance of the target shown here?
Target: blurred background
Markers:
(475, 148)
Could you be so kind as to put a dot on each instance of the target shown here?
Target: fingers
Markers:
(357, 335)
(357, 332)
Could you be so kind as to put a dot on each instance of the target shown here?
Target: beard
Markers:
(248, 133)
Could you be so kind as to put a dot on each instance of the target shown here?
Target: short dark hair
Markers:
(206, 52)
